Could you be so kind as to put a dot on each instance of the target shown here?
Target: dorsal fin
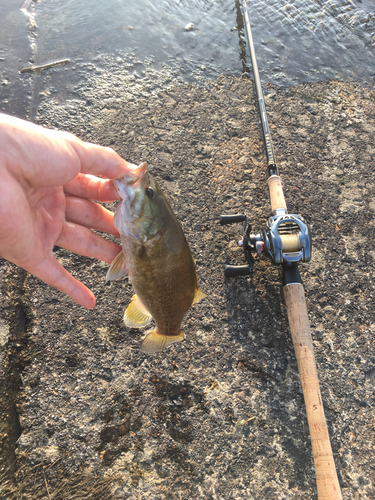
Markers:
(199, 295)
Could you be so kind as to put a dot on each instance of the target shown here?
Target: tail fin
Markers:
(155, 342)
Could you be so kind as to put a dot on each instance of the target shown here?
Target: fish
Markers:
(157, 259)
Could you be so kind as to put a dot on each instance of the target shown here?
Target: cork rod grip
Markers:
(326, 477)
(276, 193)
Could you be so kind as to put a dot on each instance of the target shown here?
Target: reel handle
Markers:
(231, 219)
(233, 271)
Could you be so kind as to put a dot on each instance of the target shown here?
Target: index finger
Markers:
(91, 187)
(99, 160)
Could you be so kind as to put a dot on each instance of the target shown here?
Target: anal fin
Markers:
(155, 342)
(136, 315)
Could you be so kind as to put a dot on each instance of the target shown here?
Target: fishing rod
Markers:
(286, 240)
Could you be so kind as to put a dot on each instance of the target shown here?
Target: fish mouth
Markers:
(135, 174)
(132, 179)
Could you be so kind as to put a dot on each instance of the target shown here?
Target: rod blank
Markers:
(271, 161)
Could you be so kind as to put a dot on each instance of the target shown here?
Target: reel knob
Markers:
(233, 271)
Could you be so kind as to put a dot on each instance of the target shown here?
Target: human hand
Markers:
(47, 184)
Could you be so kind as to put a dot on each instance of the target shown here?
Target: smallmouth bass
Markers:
(157, 259)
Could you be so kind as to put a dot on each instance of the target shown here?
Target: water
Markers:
(296, 41)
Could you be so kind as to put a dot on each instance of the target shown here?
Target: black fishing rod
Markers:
(271, 162)
(286, 240)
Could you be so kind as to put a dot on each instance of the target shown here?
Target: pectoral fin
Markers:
(136, 315)
(154, 342)
(199, 295)
(117, 269)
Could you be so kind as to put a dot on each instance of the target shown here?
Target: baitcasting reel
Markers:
(285, 239)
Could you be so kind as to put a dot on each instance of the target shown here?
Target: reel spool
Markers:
(286, 238)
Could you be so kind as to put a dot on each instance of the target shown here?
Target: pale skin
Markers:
(48, 183)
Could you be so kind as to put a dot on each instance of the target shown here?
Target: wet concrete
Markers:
(221, 415)
(15, 53)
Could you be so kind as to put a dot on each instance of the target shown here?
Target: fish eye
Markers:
(150, 193)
